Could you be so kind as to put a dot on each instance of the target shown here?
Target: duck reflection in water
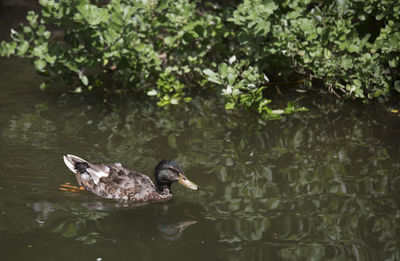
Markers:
(170, 227)
(168, 223)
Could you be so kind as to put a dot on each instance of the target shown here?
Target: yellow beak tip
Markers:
(187, 183)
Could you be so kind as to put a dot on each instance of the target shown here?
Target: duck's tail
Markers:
(86, 171)
(71, 160)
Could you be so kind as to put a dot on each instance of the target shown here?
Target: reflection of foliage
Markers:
(325, 181)
(32, 127)
(67, 220)
(77, 223)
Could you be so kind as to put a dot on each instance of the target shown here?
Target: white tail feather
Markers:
(69, 163)
(75, 158)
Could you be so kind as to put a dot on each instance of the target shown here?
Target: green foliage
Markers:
(171, 50)
(244, 86)
(352, 46)
(139, 44)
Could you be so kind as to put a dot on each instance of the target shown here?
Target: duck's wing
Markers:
(126, 184)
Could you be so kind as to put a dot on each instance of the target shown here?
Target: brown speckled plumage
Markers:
(114, 181)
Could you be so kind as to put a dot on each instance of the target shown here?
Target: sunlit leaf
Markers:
(152, 92)
(40, 64)
(209, 72)
(229, 105)
(85, 80)
(232, 59)
(23, 48)
(223, 70)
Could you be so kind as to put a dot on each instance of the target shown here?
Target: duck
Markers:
(113, 181)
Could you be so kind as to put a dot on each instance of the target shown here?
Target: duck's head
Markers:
(168, 171)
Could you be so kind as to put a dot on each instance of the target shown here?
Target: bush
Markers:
(352, 46)
(138, 44)
(173, 49)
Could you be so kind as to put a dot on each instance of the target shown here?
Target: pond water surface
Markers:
(317, 185)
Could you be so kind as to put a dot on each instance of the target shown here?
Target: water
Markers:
(317, 185)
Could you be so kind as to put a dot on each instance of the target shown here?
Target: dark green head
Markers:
(168, 171)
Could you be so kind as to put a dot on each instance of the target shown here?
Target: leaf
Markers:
(23, 48)
(266, 78)
(46, 34)
(39, 64)
(214, 79)
(229, 105)
(14, 35)
(393, 63)
(353, 48)
(7, 49)
(72, 66)
(346, 63)
(43, 86)
(40, 50)
(32, 17)
(209, 72)
(278, 112)
(187, 99)
(397, 86)
(223, 70)
(231, 78)
(342, 6)
(227, 91)
(301, 52)
(169, 40)
(232, 59)
(85, 80)
(92, 14)
(364, 40)
(174, 101)
(306, 25)
(152, 92)
(50, 59)
(212, 76)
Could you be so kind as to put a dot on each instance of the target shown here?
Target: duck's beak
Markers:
(183, 180)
